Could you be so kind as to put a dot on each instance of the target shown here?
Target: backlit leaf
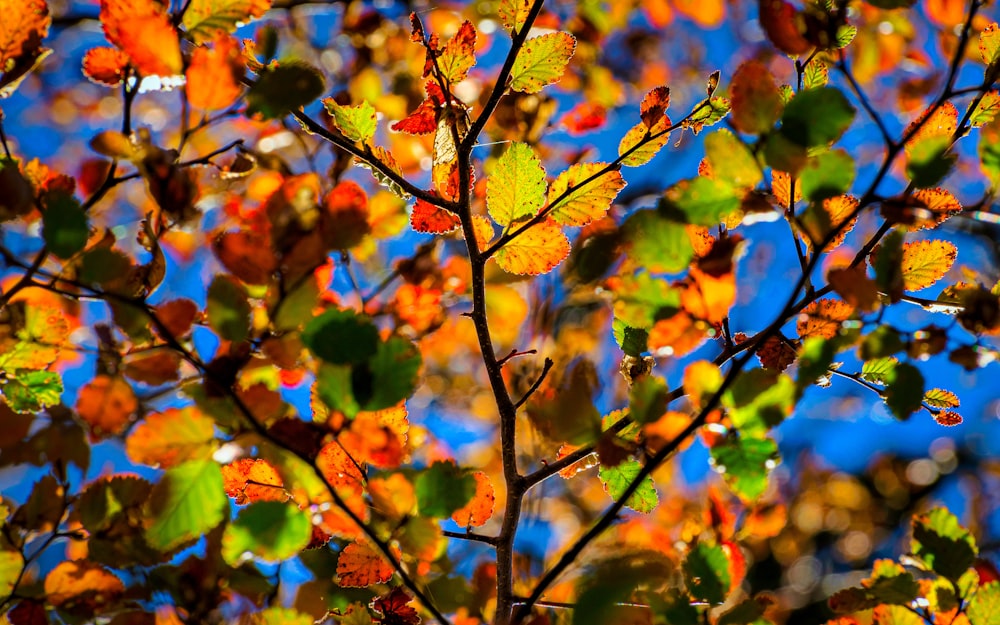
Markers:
(516, 188)
(458, 55)
(823, 318)
(213, 76)
(648, 399)
(878, 370)
(270, 530)
(252, 479)
(904, 390)
(756, 102)
(186, 503)
(82, 583)
(731, 160)
(283, 89)
(780, 23)
(616, 479)
(926, 262)
(357, 123)
(432, 219)
(702, 201)
(205, 19)
(537, 250)
(541, 61)
(984, 607)
(514, 13)
(706, 573)
(172, 437)
(480, 508)
(341, 337)
(31, 391)
(359, 565)
(941, 542)
(989, 43)
(153, 45)
(25, 23)
(948, 418)
(644, 153)
(586, 196)
(11, 563)
(746, 463)
(938, 202)
(827, 175)
(105, 65)
(656, 243)
(443, 488)
(107, 404)
(940, 398)
(227, 309)
(986, 110)
(247, 255)
(653, 106)
(816, 117)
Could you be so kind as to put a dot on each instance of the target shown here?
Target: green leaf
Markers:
(759, 400)
(228, 309)
(443, 488)
(64, 226)
(11, 563)
(847, 32)
(273, 531)
(745, 463)
(617, 479)
(514, 13)
(102, 265)
(892, 584)
(984, 607)
(204, 19)
(648, 399)
(878, 370)
(297, 306)
(284, 89)
(706, 573)
(827, 175)
(188, 502)
(731, 160)
(633, 341)
(814, 360)
(816, 117)
(882, 342)
(341, 337)
(986, 109)
(989, 150)
(641, 300)
(701, 201)
(516, 188)
(930, 160)
(583, 202)
(333, 384)
(31, 391)
(357, 123)
(283, 616)
(815, 74)
(905, 391)
(656, 243)
(541, 61)
(941, 542)
(394, 371)
(675, 608)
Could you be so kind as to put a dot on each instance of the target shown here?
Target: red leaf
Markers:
(584, 117)
(783, 26)
(105, 65)
(429, 218)
(421, 121)
(654, 105)
(394, 609)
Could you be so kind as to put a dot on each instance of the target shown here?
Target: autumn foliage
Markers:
(360, 315)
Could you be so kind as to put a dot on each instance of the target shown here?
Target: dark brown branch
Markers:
(479, 538)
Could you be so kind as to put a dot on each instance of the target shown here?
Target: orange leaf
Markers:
(213, 75)
(171, 437)
(153, 45)
(359, 565)
(705, 13)
(584, 197)
(676, 336)
(665, 429)
(775, 354)
(583, 118)
(25, 23)
(247, 255)
(948, 418)
(854, 285)
(482, 228)
(823, 318)
(781, 184)
(339, 468)
(926, 262)
(105, 65)
(654, 105)
(421, 121)
(252, 479)
(392, 496)
(458, 55)
(107, 404)
(537, 250)
(778, 18)
(941, 123)
(347, 213)
(766, 521)
(941, 205)
(418, 307)
(480, 508)
(429, 218)
(82, 584)
(207, 19)
(153, 367)
(709, 297)
(755, 98)
(946, 13)
(114, 14)
(177, 316)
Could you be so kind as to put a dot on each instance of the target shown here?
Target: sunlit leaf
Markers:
(579, 195)
(926, 262)
(823, 318)
(25, 23)
(480, 508)
(514, 13)
(702, 201)
(516, 188)
(252, 479)
(816, 117)
(152, 44)
(653, 106)
(458, 55)
(11, 564)
(541, 61)
(706, 573)
(635, 154)
(227, 309)
(213, 76)
(537, 250)
(186, 503)
(171, 437)
(616, 479)
(827, 175)
(107, 404)
(105, 65)
(341, 337)
(429, 218)
(31, 391)
(746, 463)
(656, 243)
(731, 160)
(270, 530)
(82, 583)
(284, 89)
(989, 43)
(941, 542)
(360, 565)
(780, 23)
(357, 123)
(755, 99)
(443, 488)
(940, 398)
(984, 607)
(205, 19)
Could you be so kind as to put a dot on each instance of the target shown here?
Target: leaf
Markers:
(206, 19)
(443, 488)
(152, 44)
(938, 202)
(106, 404)
(585, 195)
(657, 244)
(929, 160)
(653, 106)
(746, 463)
(537, 250)
(459, 54)
(701, 201)
(357, 123)
(984, 607)
(480, 508)
(11, 564)
(989, 44)
(941, 542)
(393, 370)
(79, 583)
(38, 340)
(284, 89)
(904, 391)
(432, 219)
(186, 503)
(247, 255)
(341, 337)
(172, 437)
(816, 117)
(252, 479)
(648, 399)
(25, 23)
(986, 110)
(641, 155)
(281, 616)
(706, 573)
(781, 22)
(731, 160)
(359, 565)
(541, 61)
(617, 478)
(516, 188)
(759, 400)
(878, 370)
(827, 175)
(823, 318)
(105, 65)
(925, 262)
(940, 398)
(948, 418)
(228, 310)
(31, 391)
(514, 13)
(213, 76)
(270, 530)
(177, 316)
(756, 102)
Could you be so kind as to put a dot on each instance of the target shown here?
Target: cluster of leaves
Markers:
(198, 381)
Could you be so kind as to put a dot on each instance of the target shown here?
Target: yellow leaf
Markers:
(81, 583)
(171, 437)
(483, 230)
(542, 61)
(940, 398)
(586, 196)
(926, 262)
(458, 55)
(644, 153)
(537, 250)
(359, 565)
(516, 188)
(513, 13)
(823, 318)
(205, 19)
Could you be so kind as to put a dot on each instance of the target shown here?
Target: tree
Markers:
(234, 367)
